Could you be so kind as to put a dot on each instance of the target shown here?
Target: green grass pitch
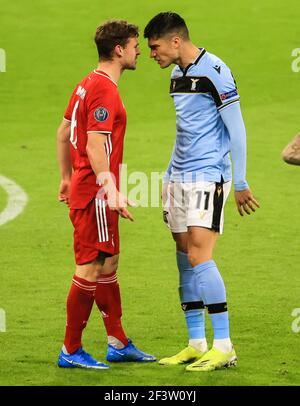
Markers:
(49, 48)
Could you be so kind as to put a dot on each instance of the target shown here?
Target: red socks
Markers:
(79, 305)
(108, 300)
(106, 293)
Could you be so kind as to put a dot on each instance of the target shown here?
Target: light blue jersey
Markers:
(202, 147)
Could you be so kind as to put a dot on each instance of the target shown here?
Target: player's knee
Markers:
(192, 259)
(97, 270)
(110, 265)
(197, 256)
(97, 265)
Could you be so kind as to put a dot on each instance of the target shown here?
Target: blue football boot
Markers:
(128, 354)
(79, 359)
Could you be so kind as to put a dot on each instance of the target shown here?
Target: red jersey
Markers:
(95, 106)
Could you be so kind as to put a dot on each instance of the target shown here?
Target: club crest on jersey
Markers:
(194, 84)
(101, 114)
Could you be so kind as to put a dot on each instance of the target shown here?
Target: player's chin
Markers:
(131, 66)
(164, 65)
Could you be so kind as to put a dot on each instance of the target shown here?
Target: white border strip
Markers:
(99, 132)
(100, 237)
(105, 221)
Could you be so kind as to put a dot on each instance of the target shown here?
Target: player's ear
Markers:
(119, 50)
(176, 41)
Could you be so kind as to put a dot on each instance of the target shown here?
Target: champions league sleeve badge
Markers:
(101, 114)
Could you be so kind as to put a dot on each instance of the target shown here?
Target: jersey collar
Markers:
(195, 62)
(101, 73)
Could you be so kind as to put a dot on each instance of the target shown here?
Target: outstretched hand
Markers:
(245, 202)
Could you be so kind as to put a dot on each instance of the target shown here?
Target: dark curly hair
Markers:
(112, 33)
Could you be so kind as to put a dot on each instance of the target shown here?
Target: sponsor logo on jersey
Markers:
(217, 68)
(101, 114)
(228, 95)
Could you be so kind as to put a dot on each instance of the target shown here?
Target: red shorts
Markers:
(95, 230)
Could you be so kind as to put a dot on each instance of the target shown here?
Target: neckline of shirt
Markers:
(195, 62)
(101, 73)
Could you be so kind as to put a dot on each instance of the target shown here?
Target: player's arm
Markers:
(227, 101)
(98, 159)
(168, 171)
(64, 160)
(232, 118)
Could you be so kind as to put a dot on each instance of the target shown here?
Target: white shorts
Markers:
(195, 204)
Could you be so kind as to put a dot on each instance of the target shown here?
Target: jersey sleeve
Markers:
(68, 112)
(233, 119)
(225, 90)
(101, 110)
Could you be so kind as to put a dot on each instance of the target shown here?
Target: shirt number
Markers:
(199, 198)
(73, 136)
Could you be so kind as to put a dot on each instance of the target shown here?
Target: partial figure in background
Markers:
(291, 153)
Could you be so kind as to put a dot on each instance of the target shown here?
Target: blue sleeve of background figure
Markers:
(233, 119)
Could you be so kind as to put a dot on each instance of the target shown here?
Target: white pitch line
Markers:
(17, 200)
(2, 321)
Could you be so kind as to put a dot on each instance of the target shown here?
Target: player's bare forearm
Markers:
(63, 150)
(245, 201)
(64, 161)
(98, 159)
